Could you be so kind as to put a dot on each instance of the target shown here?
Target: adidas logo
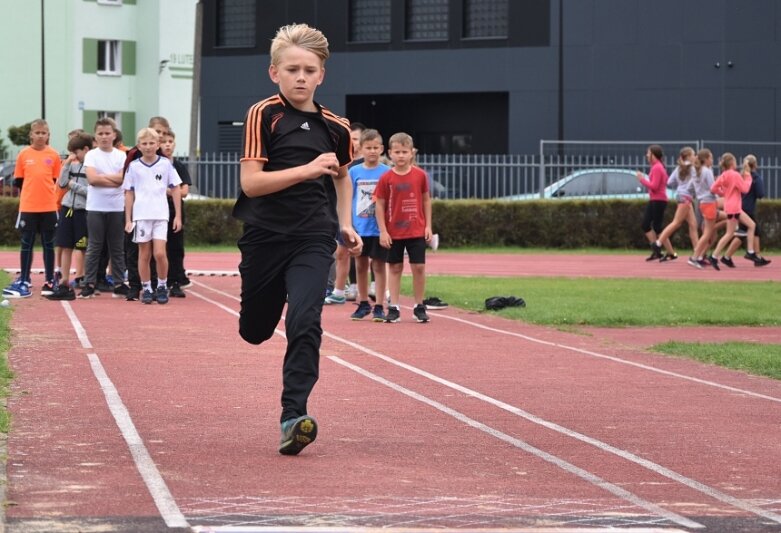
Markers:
(305, 126)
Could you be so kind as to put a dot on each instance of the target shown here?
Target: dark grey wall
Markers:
(633, 70)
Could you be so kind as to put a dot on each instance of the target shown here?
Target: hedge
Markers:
(543, 223)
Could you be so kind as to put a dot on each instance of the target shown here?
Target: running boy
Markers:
(364, 179)
(37, 170)
(72, 226)
(404, 218)
(147, 182)
(295, 195)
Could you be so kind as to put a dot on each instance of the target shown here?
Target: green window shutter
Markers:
(128, 128)
(90, 56)
(88, 119)
(129, 58)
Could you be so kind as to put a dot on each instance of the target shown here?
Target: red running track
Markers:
(470, 421)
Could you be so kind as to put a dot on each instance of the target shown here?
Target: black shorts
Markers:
(373, 250)
(72, 229)
(757, 230)
(37, 222)
(653, 217)
(416, 251)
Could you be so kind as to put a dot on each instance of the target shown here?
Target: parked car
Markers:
(7, 178)
(593, 183)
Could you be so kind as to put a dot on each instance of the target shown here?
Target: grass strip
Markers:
(5, 372)
(754, 358)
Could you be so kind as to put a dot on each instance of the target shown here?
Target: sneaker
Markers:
(176, 291)
(434, 303)
(104, 286)
(63, 292)
(333, 299)
(656, 252)
(17, 289)
(161, 295)
(751, 256)
(351, 294)
(393, 315)
(434, 242)
(185, 283)
(133, 294)
(693, 262)
(121, 291)
(48, 288)
(704, 262)
(668, 257)
(762, 262)
(77, 283)
(297, 434)
(728, 261)
(88, 291)
(713, 262)
(364, 310)
(147, 297)
(378, 315)
(420, 313)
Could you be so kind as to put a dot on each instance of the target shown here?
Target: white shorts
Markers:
(147, 230)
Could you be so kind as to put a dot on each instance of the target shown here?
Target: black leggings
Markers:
(654, 216)
(271, 272)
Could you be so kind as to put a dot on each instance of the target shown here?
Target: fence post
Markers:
(541, 176)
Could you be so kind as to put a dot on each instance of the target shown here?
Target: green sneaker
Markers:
(297, 434)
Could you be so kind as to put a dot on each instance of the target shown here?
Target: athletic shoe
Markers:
(434, 303)
(728, 261)
(185, 283)
(176, 291)
(713, 262)
(77, 283)
(693, 262)
(751, 256)
(762, 262)
(121, 291)
(104, 286)
(704, 262)
(656, 252)
(147, 297)
(17, 289)
(393, 315)
(161, 295)
(668, 257)
(434, 242)
(87, 292)
(364, 310)
(351, 294)
(333, 299)
(420, 313)
(63, 292)
(378, 315)
(133, 294)
(48, 288)
(297, 434)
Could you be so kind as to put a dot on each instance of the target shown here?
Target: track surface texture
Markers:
(129, 417)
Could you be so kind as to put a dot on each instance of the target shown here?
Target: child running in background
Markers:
(703, 180)
(731, 185)
(749, 202)
(404, 217)
(365, 177)
(146, 184)
(681, 180)
(72, 225)
(656, 183)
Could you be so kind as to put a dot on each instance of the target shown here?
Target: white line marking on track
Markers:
(155, 483)
(610, 358)
(659, 469)
(80, 333)
(328, 529)
(545, 456)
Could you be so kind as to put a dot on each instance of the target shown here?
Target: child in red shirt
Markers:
(403, 212)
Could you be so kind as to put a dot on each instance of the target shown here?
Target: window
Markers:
(109, 58)
(426, 20)
(236, 23)
(116, 116)
(370, 20)
(110, 2)
(485, 18)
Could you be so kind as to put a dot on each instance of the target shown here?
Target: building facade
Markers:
(496, 76)
(126, 59)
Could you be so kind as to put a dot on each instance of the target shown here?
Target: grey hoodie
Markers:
(74, 174)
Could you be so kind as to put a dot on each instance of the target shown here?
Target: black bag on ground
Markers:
(495, 303)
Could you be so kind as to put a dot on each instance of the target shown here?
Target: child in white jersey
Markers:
(146, 211)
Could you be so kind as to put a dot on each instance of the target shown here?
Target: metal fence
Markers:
(455, 177)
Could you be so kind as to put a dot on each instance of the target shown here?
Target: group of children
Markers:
(104, 203)
(728, 201)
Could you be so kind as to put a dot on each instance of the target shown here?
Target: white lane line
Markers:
(155, 483)
(359, 529)
(610, 358)
(645, 463)
(80, 333)
(545, 456)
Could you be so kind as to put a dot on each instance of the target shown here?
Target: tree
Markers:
(20, 135)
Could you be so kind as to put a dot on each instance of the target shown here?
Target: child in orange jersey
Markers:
(731, 185)
(37, 171)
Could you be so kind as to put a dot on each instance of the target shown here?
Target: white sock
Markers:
(161, 282)
(338, 292)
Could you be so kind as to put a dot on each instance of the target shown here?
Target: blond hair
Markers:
(300, 35)
(684, 165)
(404, 139)
(370, 135)
(750, 163)
(727, 161)
(702, 157)
(145, 133)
